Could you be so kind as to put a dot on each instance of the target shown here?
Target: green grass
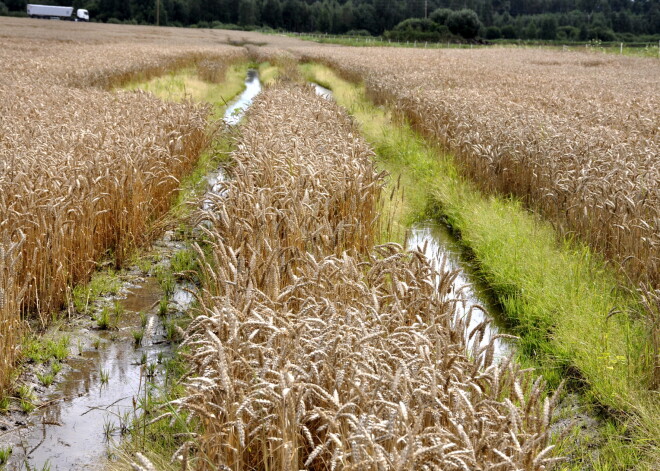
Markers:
(5, 453)
(649, 51)
(556, 296)
(268, 73)
(185, 84)
(102, 284)
(184, 263)
(41, 349)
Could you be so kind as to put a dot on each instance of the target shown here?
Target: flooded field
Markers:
(93, 406)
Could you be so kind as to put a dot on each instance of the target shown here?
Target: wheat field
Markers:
(316, 350)
(84, 170)
(576, 136)
(315, 347)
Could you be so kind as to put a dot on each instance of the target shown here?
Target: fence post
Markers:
(621, 49)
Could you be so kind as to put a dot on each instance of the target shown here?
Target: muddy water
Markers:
(76, 430)
(442, 249)
(85, 415)
(322, 91)
(237, 107)
(232, 117)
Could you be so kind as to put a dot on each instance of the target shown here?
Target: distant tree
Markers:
(271, 14)
(548, 27)
(3, 9)
(440, 15)
(508, 32)
(247, 13)
(493, 32)
(464, 23)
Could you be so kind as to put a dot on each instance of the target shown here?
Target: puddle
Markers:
(441, 247)
(84, 414)
(322, 91)
(237, 107)
(232, 117)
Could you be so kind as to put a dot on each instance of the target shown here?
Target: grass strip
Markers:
(186, 84)
(567, 307)
(160, 440)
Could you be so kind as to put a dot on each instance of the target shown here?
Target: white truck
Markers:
(60, 13)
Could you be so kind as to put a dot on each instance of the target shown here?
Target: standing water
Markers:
(233, 115)
(94, 402)
(99, 396)
(237, 108)
(443, 251)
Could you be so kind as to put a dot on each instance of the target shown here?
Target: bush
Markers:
(508, 32)
(358, 32)
(440, 15)
(602, 33)
(464, 23)
(3, 9)
(568, 33)
(493, 32)
(418, 29)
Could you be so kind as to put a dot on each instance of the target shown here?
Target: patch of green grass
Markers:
(46, 378)
(185, 84)
(184, 263)
(104, 376)
(557, 297)
(103, 283)
(165, 279)
(268, 73)
(40, 350)
(55, 367)
(103, 318)
(137, 336)
(5, 453)
(5, 401)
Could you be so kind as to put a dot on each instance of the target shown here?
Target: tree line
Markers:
(566, 20)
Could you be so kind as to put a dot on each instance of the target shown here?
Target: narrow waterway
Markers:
(444, 252)
(236, 108)
(98, 396)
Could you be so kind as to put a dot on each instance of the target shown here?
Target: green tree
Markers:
(247, 13)
(464, 22)
(440, 15)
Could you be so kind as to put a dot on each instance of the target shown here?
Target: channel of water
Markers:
(86, 414)
(444, 252)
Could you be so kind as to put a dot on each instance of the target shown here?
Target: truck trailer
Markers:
(60, 13)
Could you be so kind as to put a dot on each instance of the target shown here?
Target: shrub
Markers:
(440, 15)
(493, 32)
(464, 23)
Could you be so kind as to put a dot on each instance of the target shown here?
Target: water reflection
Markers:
(444, 253)
(236, 108)
(69, 431)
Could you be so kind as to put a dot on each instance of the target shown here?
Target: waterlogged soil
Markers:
(97, 395)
